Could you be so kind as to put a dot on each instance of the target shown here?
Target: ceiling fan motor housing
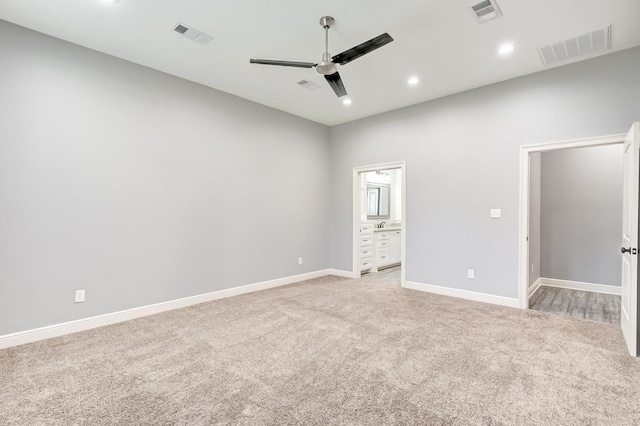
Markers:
(326, 67)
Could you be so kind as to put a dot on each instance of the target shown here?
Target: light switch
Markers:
(496, 213)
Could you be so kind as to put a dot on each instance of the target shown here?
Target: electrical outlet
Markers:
(471, 274)
(299, 261)
(79, 296)
(495, 213)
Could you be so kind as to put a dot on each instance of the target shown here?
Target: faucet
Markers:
(382, 224)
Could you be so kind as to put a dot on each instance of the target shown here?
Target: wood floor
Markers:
(388, 276)
(577, 304)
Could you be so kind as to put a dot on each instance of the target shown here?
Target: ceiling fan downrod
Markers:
(326, 67)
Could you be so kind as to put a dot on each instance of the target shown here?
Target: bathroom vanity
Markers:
(379, 247)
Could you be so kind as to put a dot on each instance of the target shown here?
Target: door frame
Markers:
(402, 165)
(523, 233)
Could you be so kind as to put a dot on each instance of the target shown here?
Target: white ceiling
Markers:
(438, 41)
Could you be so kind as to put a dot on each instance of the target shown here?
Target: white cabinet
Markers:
(379, 248)
(395, 244)
(366, 246)
(387, 245)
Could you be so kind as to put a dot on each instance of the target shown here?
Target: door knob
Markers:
(628, 250)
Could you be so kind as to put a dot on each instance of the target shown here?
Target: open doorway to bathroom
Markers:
(379, 221)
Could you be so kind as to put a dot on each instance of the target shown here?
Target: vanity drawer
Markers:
(366, 264)
(366, 252)
(382, 243)
(382, 257)
(382, 236)
(366, 240)
(366, 228)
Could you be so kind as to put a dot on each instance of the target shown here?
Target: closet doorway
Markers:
(379, 219)
(575, 211)
(627, 248)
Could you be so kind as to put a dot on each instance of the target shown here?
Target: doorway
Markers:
(629, 238)
(574, 232)
(379, 219)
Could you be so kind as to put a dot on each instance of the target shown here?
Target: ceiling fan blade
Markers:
(283, 63)
(361, 49)
(335, 82)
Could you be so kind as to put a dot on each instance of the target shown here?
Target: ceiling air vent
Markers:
(308, 84)
(192, 34)
(486, 11)
(180, 29)
(583, 45)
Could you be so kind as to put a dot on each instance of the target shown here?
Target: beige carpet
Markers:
(328, 351)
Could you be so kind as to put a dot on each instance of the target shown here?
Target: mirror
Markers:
(377, 201)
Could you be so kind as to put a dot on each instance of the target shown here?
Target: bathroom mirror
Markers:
(377, 201)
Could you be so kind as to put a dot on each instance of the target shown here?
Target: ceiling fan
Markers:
(327, 66)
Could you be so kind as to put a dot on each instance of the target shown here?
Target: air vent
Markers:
(192, 34)
(486, 11)
(587, 44)
(308, 84)
(180, 29)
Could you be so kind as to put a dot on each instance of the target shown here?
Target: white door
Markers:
(629, 303)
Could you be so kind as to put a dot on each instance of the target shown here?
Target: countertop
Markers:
(390, 228)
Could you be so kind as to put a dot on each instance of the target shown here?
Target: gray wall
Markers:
(534, 215)
(462, 155)
(581, 214)
(141, 187)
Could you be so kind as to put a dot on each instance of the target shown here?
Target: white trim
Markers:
(402, 165)
(523, 222)
(577, 285)
(55, 330)
(463, 294)
(576, 143)
(340, 273)
(534, 287)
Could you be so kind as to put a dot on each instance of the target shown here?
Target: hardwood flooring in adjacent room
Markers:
(577, 304)
(388, 276)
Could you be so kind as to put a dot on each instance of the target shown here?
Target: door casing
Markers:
(523, 244)
(402, 165)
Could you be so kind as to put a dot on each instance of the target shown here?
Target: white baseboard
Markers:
(341, 273)
(55, 330)
(535, 286)
(577, 285)
(463, 294)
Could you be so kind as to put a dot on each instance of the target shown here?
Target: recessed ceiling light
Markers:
(413, 81)
(346, 101)
(505, 49)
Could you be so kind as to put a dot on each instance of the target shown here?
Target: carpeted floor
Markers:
(328, 351)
